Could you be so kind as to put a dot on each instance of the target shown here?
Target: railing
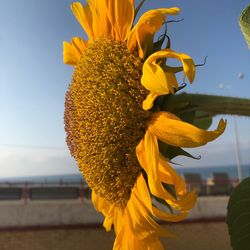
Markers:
(66, 190)
(44, 191)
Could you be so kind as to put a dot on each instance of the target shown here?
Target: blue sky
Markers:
(33, 79)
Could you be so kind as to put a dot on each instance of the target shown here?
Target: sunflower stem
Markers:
(214, 105)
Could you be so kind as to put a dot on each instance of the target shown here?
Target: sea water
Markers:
(207, 172)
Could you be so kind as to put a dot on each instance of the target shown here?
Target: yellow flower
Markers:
(112, 130)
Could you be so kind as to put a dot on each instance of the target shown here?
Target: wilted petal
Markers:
(175, 132)
(149, 23)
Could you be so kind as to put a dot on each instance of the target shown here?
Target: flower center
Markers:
(104, 119)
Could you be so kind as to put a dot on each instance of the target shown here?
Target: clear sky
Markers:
(33, 78)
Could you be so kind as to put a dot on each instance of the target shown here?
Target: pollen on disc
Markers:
(104, 119)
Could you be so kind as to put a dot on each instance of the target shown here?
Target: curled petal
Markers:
(160, 82)
(187, 62)
(175, 132)
(149, 23)
(72, 51)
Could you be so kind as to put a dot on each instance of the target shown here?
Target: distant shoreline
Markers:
(205, 173)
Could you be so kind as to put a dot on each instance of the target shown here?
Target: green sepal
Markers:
(187, 116)
(180, 68)
(210, 104)
(202, 120)
(173, 69)
(171, 152)
(138, 8)
(238, 216)
(158, 44)
(164, 203)
(171, 190)
(172, 103)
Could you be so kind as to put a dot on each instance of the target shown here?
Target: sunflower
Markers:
(113, 128)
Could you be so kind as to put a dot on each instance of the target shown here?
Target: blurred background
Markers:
(44, 201)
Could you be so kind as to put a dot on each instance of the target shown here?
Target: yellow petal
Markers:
(109, 219)
(148, 156)
(111, 18)
(99, 203)
(143, 193)
(157, 82)
(72, 51)
(84, 17)
(154, 78)
(121, 240)
(149, 23)
(149, 101)
(166, 172)
(101, 25)
(181, 134)
(126, 240)
(141, 223)
(187, 62)
(118, 220)
(106, 209)
(121, 14)
(160, 82)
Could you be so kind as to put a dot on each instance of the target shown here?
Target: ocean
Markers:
(205, 173)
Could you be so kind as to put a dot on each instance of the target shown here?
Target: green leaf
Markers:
(238, 216)
(214, 105)
(244, 22)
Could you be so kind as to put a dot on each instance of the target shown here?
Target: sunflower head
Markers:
(103, 108)
(114, 122)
